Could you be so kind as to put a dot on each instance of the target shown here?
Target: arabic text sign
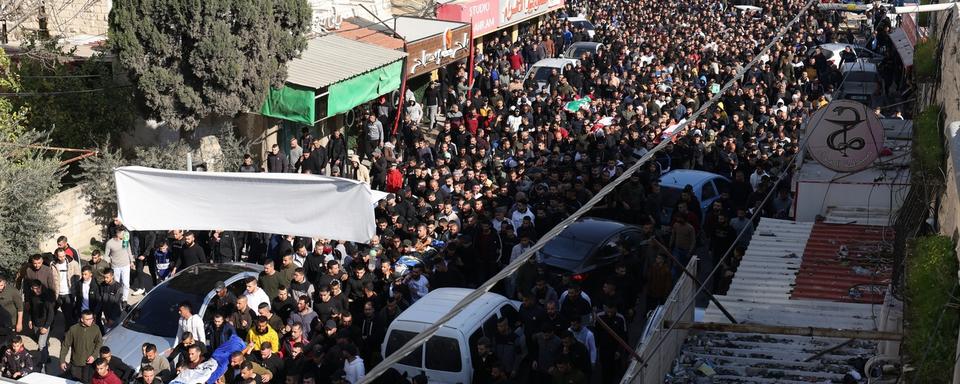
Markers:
(512, 11)
(441, 49)
(845, 136)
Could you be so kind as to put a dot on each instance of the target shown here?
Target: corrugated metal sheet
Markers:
(330, 59)
(861, 276)
(368, 35)
(762, 292)
(763, 288)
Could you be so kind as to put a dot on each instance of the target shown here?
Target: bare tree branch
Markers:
(60, 13)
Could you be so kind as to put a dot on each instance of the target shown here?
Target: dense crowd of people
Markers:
(509, 160)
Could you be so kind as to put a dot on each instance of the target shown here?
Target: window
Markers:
(472, 344)
(708, 192)
(609, 249)
(722, 185)
(490, 326)
(397, 339)
(157, 313)
(443, 354)
(510, 313)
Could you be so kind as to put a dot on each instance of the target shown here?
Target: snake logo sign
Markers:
(845, 136)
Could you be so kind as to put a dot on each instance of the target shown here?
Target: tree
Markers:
(79, 102)
(97, 184)
(192, 59)
(28, 180)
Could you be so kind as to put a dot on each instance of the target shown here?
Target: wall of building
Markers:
(69, 211)
(947, 29)
(73, 17)
(328, 13)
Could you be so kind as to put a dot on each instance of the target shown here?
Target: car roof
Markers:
(859, 65)
(837, 46)
(592, 229)
(681, 177)
(590, 44)
(203, 278)
(577, 18)
(556, 62)
(430, 308)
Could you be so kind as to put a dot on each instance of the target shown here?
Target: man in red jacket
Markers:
(103, 374)
(394, 179)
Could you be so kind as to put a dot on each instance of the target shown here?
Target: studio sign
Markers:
(845, 136)
(449, 48)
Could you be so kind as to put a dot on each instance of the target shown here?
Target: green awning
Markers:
(345, 95)
(292, 102)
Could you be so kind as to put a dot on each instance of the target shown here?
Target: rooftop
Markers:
(440, 301)
(861, 276)
(764, 292)
(326, 61)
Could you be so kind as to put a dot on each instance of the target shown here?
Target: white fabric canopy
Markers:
(281, 203)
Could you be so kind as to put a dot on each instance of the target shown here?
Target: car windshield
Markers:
(542, 73)
(157, 313)
(669, 196)
(575, 52)
(567, 248)
(584, 24)
(397, 339)
(860, 77)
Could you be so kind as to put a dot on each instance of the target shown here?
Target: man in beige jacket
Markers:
(360, 171)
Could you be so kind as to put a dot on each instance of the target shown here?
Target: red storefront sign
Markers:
(514, 11)
(482, 13)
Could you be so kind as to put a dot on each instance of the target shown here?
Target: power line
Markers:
(56, 93)
(424, 335)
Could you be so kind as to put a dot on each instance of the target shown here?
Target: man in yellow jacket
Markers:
(260, 333)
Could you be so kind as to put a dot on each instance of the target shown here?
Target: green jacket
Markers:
(10, 304)
(83, 341)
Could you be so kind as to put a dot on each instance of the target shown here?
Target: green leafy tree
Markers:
(80, 103)
(192, 59)
(28, 180)
(98, 185)
(10, 115)
(232, 148)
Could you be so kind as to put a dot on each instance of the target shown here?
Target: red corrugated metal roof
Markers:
(352, 31)
(860, 277)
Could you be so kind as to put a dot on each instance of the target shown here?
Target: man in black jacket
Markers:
(86, 293)
(223, 247)
(39, 308)
(318, 158)
(276, 163)
(111, 293)
(117, 366)
(337, 150)
(192, 253)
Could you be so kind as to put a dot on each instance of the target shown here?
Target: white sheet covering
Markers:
(281, 203)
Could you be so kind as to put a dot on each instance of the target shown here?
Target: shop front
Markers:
(332, 77)
(432, 45)
(489, 16)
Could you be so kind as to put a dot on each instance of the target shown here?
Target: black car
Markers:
(588, 249)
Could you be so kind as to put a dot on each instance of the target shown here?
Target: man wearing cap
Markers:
(224, 301)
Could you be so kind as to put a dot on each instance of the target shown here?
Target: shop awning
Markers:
(347, 72)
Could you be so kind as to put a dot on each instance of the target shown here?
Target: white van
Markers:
(541, 71)
(448, 356)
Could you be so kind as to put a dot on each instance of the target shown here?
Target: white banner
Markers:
(281, 203)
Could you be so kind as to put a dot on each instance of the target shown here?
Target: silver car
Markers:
(154, 318)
